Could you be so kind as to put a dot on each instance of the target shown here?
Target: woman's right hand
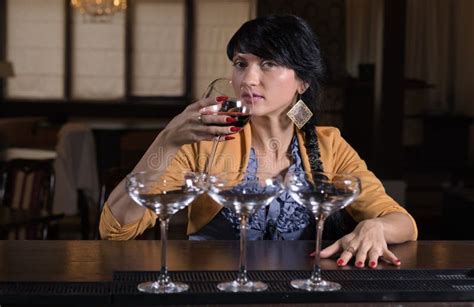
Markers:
(194, 125)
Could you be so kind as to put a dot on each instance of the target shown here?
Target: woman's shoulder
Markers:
(327, 132)
(328, 137)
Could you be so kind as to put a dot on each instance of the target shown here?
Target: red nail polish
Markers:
(373, 264)
(228, 138)
(359, 263)
(235, 129)
(221, 98)
(397, 261)
(340, 262)
(230, 120)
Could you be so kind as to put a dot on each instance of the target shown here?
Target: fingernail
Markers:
(230, 120)
(228, 138)
(235, 129)
(359, 264)
(312, 254)
(372, 264)
(340, 262)
(221, 98)
(398, 262)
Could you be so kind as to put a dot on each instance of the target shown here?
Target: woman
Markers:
(278, 57)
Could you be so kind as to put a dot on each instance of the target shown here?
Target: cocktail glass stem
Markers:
(164, 277)
(316, 275)
(242, 278)
(164, 284)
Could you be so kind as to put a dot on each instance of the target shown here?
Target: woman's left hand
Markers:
(366, 244)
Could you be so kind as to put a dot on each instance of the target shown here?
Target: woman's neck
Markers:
(271, 136)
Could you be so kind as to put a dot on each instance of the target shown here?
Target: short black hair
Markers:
(289, 41)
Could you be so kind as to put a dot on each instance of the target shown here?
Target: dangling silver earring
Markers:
(299, 114)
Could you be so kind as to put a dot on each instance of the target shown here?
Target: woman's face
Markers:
(273, 87)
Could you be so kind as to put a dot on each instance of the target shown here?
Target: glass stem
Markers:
(164, 278)
(210, 161)
(316, 275)
(242, 278)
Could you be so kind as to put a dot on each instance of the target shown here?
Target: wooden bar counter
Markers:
(96, 261)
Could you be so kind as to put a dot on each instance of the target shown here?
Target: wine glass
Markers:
(323, 194)
(164, 193)
(238, 105)
(245, 195)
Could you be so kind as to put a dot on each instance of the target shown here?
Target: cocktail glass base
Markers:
(157, 287)
(249, 286)
(310, 285)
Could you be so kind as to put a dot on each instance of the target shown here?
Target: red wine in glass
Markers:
(236, 106)
(235, 109)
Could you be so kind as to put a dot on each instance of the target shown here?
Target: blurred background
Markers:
(85, 87)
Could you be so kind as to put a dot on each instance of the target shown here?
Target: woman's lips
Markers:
(253, 96)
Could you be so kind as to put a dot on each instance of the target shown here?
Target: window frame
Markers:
(129, 105)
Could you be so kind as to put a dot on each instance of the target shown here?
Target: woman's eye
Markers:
(239, 64)
(269, 64)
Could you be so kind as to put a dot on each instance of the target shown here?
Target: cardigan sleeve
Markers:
(111, 229)
(373, 200)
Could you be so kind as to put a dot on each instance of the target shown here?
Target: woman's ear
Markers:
(302, 87)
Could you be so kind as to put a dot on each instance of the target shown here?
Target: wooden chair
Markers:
(28, 186)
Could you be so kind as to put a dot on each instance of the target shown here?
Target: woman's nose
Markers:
(251, 76)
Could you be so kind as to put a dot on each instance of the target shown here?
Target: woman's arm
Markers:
(188, 127)
(381, 220)
(397, 227)
(123, 208)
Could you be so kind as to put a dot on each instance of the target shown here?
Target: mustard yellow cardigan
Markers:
(336, 155)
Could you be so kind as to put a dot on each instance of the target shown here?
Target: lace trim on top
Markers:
(284, 218)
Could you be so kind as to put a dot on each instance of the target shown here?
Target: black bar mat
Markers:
(357, 286)
(69, 293)
(336, 275)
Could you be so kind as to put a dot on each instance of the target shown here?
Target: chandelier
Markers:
(99, 10)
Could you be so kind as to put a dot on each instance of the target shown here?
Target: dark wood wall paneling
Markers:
(67, 51)
(129, 22)
(372, 125)
(3, 39)
(189, 46)
(387, 147)
(327, 19)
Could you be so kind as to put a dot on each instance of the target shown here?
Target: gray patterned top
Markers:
(284, 218)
